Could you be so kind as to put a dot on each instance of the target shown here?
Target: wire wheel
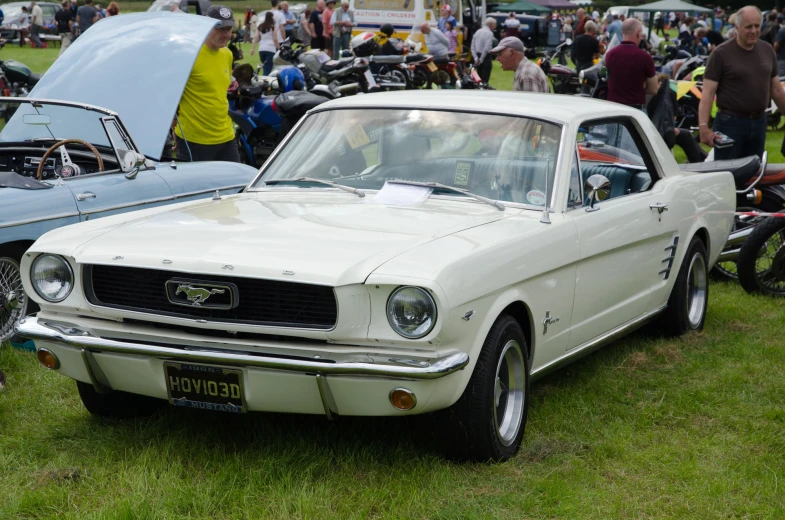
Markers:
(13, 300)
(509, 393)
(762, 259)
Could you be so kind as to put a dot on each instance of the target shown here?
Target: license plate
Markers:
(205, 387)
(369, 77)
(431, 66)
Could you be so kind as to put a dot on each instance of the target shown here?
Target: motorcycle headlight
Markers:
(411, 312)
(52, 277)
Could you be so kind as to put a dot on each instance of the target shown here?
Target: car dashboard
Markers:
(24, 160)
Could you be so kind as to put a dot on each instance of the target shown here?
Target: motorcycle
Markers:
(252, 110)
(319, 68)
(564, 79)
(761, 261)
(760, 188)
(390, 71)
(470, 80)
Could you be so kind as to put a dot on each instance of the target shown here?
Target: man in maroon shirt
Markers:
(631, 72)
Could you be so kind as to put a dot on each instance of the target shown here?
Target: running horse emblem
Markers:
(197, 295)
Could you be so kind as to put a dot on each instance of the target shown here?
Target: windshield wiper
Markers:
(495, 203)
(358, 192)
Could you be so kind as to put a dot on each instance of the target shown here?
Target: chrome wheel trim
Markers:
(697, 290)
(10, 282)
(509, 393)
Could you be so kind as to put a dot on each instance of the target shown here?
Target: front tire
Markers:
(761, 264)
(690, 295)
(117, 404)
(488, 420)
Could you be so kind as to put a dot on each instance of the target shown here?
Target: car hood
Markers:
(270, 236)
(136, 65)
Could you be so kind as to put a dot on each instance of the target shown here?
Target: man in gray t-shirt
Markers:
(86, 16)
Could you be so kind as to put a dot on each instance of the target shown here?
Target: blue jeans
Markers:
(749, 134)
(267, 62)
(339, 43)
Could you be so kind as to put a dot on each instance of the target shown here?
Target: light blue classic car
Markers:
(64, 160)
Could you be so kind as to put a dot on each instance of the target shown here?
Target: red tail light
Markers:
(275, 108)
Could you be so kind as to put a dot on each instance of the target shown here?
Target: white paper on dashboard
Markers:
(401, 194)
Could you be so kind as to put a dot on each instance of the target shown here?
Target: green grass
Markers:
(644, 428)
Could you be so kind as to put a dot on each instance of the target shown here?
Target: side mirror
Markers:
(597, 188)
(130, 163)
(568, 41)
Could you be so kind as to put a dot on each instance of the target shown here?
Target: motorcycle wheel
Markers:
(761, 264)
(728, 271)
(401, 77)
(420, 78)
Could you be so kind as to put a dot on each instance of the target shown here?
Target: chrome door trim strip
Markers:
(34, 220)
(592, 345)
(128, 205)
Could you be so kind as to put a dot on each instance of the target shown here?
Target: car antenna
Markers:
(546, 218)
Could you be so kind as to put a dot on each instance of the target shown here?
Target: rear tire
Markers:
(117, 404)
(690, 295)
(762, 259)
(488, 420)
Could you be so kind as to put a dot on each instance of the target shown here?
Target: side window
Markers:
(615, 150)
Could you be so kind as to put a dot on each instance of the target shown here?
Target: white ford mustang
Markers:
(399, 254)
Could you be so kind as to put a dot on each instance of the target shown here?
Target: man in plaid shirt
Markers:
(529, 77)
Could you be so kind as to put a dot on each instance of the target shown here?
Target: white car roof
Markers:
(549, 107)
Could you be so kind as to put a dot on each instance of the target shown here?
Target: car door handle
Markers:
(86, 195)
(660, 207)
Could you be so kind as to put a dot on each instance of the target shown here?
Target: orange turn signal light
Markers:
(758, 196)
(48, 359)
(403, 399)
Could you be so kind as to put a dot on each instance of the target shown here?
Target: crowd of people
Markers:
(70, 21)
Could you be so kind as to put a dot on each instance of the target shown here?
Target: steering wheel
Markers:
(66, 159)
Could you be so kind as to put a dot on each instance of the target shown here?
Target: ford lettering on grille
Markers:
(197, 293)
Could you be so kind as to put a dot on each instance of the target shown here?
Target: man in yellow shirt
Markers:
(204, 130)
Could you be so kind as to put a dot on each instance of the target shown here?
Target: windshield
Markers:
(22, 121)
(503, 158)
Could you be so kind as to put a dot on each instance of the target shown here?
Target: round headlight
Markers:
(52, 278)
(411, 312)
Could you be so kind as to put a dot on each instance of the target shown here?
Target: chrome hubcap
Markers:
(509, 392)
(696, 290)
(13, 301)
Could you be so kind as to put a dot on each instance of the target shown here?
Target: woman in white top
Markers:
(254, 30)
(268, 42)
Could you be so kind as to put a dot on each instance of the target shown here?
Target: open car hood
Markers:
(136, 65)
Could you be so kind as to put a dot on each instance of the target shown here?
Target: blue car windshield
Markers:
(22, 121)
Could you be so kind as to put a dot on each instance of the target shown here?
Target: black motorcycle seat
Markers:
(412, 58)
(333, 65)
(742, 169)
(254, 91)
(387, 59)
(34, 78)
(441, 60)
(297, 102)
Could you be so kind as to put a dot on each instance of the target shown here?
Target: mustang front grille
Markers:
(256, 302)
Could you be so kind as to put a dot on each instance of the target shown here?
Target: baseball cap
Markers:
(330, 2)
(223, 14)
(510, 42)
(446, 7)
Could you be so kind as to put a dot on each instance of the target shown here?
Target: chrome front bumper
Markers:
(75, 336)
